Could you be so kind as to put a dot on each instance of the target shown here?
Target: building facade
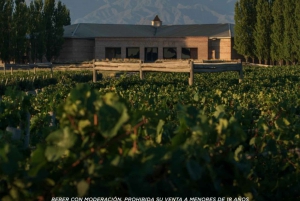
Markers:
(147, 42)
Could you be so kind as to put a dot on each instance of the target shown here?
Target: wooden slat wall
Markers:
(180, 66)
(12, 67)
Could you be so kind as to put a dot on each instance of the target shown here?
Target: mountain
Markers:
(143, 11)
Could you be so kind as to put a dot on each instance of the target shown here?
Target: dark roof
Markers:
(156, 18)
(210, 30)
(87, 30)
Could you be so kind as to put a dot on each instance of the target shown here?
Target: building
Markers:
(85, 41)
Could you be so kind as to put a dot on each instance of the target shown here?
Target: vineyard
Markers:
(152, 137)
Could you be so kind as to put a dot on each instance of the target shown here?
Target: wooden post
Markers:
(191, 78)
(241, 76)
(51, 69)
(241, 71)
(52, 121)
(11, 70)
(141, 71)
(16, 132)
(94, 72)
(95, 119)
(27, 131)
(94, 76)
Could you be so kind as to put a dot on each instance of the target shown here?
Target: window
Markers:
(189, 53)
(151, 54)
(112, 52)
(133, 52)
(170, 53)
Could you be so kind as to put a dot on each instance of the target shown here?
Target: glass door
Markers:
(151, 54)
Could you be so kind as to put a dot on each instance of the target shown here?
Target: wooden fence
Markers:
(174, 66)
(28, 67)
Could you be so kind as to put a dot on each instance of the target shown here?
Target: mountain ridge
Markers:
(143, 11)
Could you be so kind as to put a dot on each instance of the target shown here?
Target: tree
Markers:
(43, 23)
(2, 3)
(61, 18)
(262, 30)
(55, 18)
(245, 20)
(297, 19)
(36, 30)
(290, 31)
(277, 33)
(49, 8)
(5, 29)
(19, 31)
